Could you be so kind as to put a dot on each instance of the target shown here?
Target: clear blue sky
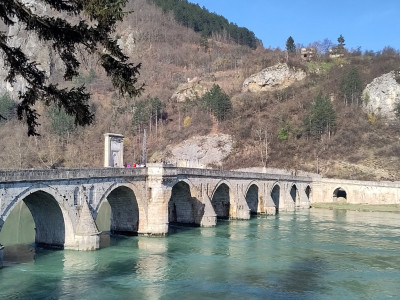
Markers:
(366, 23)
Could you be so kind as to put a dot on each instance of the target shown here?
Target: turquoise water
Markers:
(310, 254)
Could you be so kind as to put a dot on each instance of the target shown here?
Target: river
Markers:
(308, 254)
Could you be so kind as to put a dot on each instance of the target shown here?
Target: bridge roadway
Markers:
(64, 203)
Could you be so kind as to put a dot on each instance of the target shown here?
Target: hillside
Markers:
(267, 127)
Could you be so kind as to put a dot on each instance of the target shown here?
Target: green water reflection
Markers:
(19, 228)
(317, 254)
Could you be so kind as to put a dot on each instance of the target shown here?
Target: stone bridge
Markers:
(64, 203)
(355, 191)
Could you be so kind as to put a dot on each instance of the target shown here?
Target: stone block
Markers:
(270, 210)
(208, 221)
(86, 242)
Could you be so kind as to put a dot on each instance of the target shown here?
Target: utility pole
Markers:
(144, 149)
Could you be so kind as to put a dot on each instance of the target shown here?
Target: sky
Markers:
(371, 25)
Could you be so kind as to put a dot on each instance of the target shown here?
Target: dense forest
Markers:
(317, 124)
(207, 23)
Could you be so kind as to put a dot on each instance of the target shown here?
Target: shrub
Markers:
(187, 121)
(283, 134)
(372, 118)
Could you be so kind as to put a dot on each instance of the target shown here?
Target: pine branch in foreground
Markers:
(93, 32)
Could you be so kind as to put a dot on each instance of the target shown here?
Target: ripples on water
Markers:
(315, 254)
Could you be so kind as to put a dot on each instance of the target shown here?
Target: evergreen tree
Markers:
(146, 110)
(93, 33)
(139, 115)
(351, 86)
(322, 117)
(290, 46)
(62, 124)
(397, 109)
(217, 102)
(341, 42)
(201, 20)
(6, 107)
(204, 41)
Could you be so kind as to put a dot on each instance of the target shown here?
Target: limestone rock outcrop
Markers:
(275, 77)
(127, 40)
(382, 95)
(202, 151)
(189, 90)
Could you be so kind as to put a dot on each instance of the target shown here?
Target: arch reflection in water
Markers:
(103, 218)
(36, 220)
(19, 227)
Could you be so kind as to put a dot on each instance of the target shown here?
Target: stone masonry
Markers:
(65, 202)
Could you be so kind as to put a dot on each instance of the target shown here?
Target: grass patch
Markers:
(319, 67)
(359, 207)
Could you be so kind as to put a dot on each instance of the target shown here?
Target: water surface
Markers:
(309, 254)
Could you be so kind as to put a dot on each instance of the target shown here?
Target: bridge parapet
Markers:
(60, 174)
(211, 173)
(55, 174)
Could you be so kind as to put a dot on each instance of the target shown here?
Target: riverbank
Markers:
(359, 207)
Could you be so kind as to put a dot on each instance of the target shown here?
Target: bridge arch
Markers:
(183, 206)
(276, 195)
(339, 194)
(126, 210)
(308, 191)
(53, 226)
(252, 197)
(221, 199)
(294, 194)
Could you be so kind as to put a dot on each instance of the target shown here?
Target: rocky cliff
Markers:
(275, 77)
(381, 95)
(200, 151)
(191, 90)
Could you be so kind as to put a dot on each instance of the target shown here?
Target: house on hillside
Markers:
(308, 53)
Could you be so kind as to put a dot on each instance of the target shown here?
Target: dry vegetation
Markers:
(171, 54)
